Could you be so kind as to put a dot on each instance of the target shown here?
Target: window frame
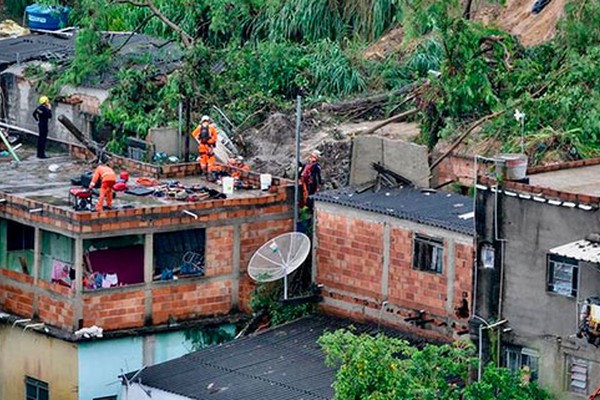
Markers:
(570, 360)
(38, 385)
(519, 355)
(553, 261)
(435, 244)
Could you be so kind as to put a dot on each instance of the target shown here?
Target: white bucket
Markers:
(265, 181)
(227, 185)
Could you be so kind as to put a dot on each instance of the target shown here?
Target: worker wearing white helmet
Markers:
(206, 135)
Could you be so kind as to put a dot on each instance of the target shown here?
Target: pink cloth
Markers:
(60, 271)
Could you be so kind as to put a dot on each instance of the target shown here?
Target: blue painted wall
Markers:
(170, 345)
(102, 361)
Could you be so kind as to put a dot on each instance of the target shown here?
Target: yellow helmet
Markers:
(44, 100)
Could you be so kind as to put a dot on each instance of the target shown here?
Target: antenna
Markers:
(278, 258)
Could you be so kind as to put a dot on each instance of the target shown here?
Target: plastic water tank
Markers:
(50, 18)
(512, 167)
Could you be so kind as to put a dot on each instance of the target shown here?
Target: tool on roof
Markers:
(8, 143)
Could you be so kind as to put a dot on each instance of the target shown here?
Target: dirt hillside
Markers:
(516, 17)
(532, 29)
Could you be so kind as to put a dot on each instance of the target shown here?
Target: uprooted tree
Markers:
(252, 57)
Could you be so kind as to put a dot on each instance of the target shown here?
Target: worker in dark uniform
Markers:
(310, 179)
(42, 114)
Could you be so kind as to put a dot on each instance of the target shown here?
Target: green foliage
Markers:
(384, 368)
(333, 72)
(15, 8)
(501, 384)
(202, 337)
(266, 296)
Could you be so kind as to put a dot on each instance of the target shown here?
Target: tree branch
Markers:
(185, 38)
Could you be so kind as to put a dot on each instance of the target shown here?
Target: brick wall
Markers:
(114, 309)
(350, 265)
(459, 169)
(191, 300)
(17, 296)
(13, 297)
(252, 236)
(411, 288)
(350, 254)
(219, 251)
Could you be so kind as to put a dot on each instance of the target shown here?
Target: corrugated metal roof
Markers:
(424, 206)
(134, 51)
(284, 363)
(581, 250)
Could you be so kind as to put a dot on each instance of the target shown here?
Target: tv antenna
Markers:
(278, 258)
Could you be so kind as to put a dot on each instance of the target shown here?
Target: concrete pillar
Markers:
(385, 274)
(37, 262)
(450, 275)
(78, 263)
(237, 249)
(148, 258)
(315, 245)
(148, 276)
(37, 254)
(78, 299)
(148, 346)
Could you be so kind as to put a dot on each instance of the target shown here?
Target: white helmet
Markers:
(205, 118)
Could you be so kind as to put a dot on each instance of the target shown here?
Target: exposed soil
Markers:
(388, 44)
(271, 149)
(516, 17)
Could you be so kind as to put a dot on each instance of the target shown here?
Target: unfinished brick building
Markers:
(39, 229)
(400, 256)
(51, 257)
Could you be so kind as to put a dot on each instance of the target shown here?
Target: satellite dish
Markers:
(279, 257)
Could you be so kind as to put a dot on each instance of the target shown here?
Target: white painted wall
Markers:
(135, 391)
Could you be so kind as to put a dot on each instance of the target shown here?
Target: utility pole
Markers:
(297, 161)
(188, 124)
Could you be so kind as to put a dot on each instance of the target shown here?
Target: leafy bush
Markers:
(384, 368)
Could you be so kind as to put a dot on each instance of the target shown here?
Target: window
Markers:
(35, 389)
(577, 375)
(522, 359)
(562, 275)
(428, 254)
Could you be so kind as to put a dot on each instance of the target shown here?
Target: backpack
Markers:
(204, 133)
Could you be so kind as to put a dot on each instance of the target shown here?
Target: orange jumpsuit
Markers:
(206, 149)
(108, 178)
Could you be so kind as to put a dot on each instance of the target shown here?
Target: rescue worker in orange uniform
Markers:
(108, 178)
(238, 162)
(206, 135)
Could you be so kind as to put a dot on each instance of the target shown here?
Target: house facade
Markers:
(536, 268)
(149, 264)
(400, 257)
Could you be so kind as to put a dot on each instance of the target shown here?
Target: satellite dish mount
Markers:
(278, 258)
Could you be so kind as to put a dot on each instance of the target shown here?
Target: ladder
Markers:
(8, 141)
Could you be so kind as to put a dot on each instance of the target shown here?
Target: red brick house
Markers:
(225, 232)
(400, 256)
